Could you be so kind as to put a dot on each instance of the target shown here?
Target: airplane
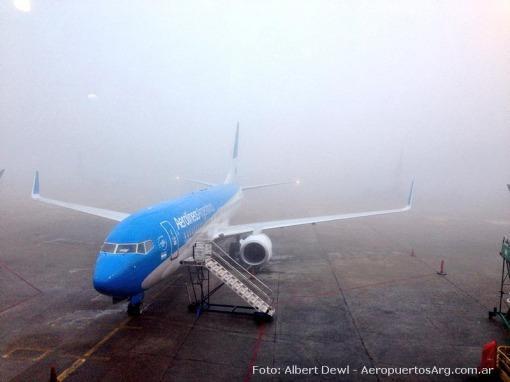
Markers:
(144, 247)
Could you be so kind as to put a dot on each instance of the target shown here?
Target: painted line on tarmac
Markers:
(42, 353)
(3, 265)
(18, 303)
(80, 361)
(256, 348)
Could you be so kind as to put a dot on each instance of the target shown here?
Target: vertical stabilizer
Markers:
(232, 174)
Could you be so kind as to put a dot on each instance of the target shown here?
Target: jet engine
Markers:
(256, 249)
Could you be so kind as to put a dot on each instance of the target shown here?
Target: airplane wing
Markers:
(108, 214)
(261, 226)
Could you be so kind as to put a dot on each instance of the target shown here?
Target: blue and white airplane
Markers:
(145, 247)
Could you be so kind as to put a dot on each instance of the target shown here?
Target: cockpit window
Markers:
(108, 247)
(141, 248)
(126, 248)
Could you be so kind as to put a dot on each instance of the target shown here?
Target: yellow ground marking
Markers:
(96, 357)
(44, 353)
(80, 361)
(132, 327)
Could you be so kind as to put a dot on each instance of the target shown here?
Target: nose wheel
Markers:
(134, 307)
(134, 310)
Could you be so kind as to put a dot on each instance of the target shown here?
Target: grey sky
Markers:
(333, 92)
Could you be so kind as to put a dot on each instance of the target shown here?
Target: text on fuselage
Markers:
(189, 218)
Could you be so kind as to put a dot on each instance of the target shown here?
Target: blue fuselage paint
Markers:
(169, 225)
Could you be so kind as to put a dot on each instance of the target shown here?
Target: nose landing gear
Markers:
(134, 307)
(134, 310)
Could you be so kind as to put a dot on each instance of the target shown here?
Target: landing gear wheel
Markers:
(134, 310)
(192, 307)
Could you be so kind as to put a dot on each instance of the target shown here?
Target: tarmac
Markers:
(359, 294)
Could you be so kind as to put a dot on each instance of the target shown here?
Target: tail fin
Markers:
(232, 174)
(35, 186)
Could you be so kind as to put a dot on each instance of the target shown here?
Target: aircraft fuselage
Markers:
(148, 245)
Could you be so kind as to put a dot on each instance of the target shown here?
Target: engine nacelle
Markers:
(256, 249)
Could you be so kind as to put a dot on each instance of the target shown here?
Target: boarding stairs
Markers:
(208, 257)
(503, 310)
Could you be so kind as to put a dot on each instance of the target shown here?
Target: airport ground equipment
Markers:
(503, 363)
(504, 292)
(208, 257)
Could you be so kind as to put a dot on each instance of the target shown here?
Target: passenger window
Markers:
(108, 247)
(126, 248)
(141, 248)
(148, 246)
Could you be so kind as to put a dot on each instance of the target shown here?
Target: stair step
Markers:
(240, 288)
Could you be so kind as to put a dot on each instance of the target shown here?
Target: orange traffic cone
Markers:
(441, 269)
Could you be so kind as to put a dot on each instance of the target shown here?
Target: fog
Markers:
(112, 100)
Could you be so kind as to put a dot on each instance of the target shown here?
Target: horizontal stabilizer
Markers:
(197, 181)
(297, 182)
(108, 214)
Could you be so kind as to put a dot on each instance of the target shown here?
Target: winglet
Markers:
(236, 143)
(410, 200)
(35, 187)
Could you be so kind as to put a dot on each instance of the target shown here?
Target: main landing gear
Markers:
(134, 307)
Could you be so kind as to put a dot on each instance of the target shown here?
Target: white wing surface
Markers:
(108, 214)
(261, 226)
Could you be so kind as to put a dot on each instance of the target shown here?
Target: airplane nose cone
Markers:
(114, 275)
(104, 282)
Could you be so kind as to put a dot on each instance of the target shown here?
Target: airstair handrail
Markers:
(246, 280)
(240, 270)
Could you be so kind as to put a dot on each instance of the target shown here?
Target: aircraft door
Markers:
(173, 239)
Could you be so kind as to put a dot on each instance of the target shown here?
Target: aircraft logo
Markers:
(162, 243)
